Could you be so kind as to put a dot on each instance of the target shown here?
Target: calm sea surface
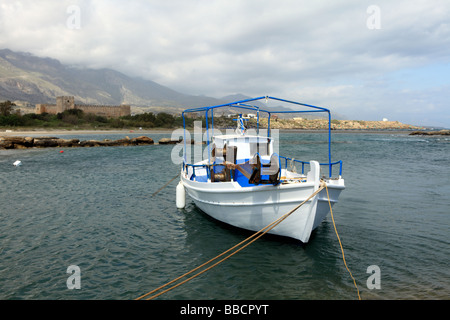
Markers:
(93, 208)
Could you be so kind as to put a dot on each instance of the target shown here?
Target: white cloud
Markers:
(322, 50)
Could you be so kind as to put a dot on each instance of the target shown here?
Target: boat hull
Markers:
(253, 208)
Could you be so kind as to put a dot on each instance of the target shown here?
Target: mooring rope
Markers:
(339, 239)
(165, 185)
(243, 244)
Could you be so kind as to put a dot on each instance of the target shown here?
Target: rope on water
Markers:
(238, 248)
(339, 239)
(165, 185)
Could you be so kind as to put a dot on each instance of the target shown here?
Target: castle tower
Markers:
(64, 103)
(40, 108)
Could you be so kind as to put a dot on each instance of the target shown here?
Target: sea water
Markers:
(93, 209)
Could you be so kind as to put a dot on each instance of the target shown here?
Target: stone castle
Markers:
(68, 102)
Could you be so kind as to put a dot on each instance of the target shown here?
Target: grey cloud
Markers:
(252, 47)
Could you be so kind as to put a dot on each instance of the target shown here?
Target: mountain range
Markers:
(30, 79)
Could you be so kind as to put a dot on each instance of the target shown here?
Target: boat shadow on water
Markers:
(200, 225)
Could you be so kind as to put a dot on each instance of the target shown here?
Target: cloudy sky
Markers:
(366, 60)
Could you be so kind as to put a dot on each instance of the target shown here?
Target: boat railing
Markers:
(329, 164)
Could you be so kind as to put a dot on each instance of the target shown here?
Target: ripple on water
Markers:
(92, 207)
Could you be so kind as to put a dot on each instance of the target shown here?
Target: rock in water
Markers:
(142, 140)
(169, 141)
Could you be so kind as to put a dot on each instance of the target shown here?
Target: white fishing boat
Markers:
(245, 183)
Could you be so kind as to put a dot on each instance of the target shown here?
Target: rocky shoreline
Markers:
(430, 133)
(14, 142)
(322, 124)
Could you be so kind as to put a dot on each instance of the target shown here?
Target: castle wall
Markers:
(106, 111)
(45, 108)
(68, 102)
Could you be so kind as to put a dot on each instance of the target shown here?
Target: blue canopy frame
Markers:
(243, 104)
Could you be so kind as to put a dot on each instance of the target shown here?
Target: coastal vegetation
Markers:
(76, 119)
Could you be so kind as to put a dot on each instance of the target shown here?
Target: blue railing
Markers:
(329, 164)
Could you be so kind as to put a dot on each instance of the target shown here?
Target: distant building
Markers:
(68, 102)
(385, 119)
(244, 115)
